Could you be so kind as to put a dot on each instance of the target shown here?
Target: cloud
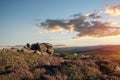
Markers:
(36, 25)
(85, 25)
(98, 29)
(55, 25)
(93, 15)
(113, 10)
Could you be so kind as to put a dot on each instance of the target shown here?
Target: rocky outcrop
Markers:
(39, 48)
(43, 48)
(13, 49)
(36, 48)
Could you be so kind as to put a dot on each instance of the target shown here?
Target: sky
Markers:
(60, 22)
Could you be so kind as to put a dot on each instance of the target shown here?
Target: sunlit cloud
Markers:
(85, 25)
(113, 10)
(93, 15)
(54, 29)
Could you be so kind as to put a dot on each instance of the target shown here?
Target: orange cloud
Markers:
(98, 30)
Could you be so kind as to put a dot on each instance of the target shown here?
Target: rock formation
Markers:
(36, 48)
(40, 48)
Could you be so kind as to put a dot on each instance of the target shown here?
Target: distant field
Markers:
(1, 47)
(106, 49)
(8, 47)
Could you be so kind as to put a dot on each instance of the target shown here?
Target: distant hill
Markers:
(16, 46)
(103, 49)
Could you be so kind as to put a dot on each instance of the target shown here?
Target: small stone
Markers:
(44, 53)
(25, 50)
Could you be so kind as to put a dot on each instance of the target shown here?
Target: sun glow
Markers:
(54, 29)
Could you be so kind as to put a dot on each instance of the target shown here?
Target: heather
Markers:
(22, 65)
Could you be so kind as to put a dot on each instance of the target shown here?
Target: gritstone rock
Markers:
(50, 51)
(13, 50)
(43, 48)
(4, 50)
(37, 52)
(24, 50)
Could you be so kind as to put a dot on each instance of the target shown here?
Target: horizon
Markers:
(57, 46)
(66, 22)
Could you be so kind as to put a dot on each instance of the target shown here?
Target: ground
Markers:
(60, 66)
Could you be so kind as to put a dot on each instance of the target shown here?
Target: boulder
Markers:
(28, 45)
(50, 51)
(24, 50)
(13, 50)
(45, 53)
(35, 46)
(44, 48)
(37, 52)
(4, 50)
(48, 45)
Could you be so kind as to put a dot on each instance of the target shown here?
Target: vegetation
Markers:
(23, 66)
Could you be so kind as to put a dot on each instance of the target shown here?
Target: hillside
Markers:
(23, 65)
